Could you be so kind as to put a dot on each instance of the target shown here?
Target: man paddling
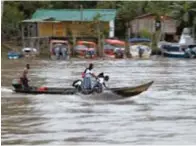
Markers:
(24, 80)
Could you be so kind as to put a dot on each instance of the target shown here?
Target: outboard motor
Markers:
(194, 51)
(16, 84)
(77, 84)
(188, 53)
(141, 51)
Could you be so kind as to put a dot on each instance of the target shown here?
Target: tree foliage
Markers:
(16, 11)
(184, 12)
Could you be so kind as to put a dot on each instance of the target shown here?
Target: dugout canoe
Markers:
(124, 92)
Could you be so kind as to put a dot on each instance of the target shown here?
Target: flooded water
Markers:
(164, 114)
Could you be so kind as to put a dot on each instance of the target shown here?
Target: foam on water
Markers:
(6, 90)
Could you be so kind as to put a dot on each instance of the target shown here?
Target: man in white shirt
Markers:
(101, 82)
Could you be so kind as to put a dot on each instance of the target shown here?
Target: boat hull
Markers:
(174, 51)
(131, 91)
(123, 92)
(174, 54)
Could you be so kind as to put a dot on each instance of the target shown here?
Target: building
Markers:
(149, 21)
(47, 23)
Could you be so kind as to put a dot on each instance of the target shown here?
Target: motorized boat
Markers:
(124, 91)
(185, 48)
(114, 48)
(14, 55)
(140, 47)
(29, 52)
(178, 52)
(85, 49)
(59, 49)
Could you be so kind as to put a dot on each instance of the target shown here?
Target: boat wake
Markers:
(5, 89)
(105, 96)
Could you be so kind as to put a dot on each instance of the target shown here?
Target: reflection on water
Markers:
(165, 114)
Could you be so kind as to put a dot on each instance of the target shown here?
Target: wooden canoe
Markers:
(131, 91)
(124, 92)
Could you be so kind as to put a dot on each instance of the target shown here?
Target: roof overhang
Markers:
(46, 19)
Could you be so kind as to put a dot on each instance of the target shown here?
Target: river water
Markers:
(164, 114)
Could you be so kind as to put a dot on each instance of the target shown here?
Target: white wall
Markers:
(112, 28)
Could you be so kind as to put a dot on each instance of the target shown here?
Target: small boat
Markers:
(185, 48)
(124, 92)
(14, 55)
(177, 52)
(29, 52)
(140, 47)
(59, 49)
(114, 48)
(85, 49)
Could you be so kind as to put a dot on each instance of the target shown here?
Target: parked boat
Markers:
(59, 49)
(124, 92)
(85, 49)
(140, 47)
(14, 55)
(178, 52)
(114, 48)
(185, 48)
(29, 52)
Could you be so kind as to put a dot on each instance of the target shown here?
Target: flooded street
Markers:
(164, 114)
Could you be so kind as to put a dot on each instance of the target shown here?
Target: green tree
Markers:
(11, 18)
(184, 12)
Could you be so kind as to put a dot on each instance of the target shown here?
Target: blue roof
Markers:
(134, 40)
(73, 14)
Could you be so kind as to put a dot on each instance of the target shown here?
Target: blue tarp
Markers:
(134, 40)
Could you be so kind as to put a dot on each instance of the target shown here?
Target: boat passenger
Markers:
(101, 82)
(24, 80)
(88, 74)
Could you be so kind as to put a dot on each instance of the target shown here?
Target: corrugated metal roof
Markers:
(74, 14)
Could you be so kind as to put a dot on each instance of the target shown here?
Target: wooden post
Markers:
(99, 39)
(194, 29)
(38, 45)
(74, 43)
(23, 43)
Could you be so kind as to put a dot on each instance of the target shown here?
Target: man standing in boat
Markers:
(88, 74)
(24, 80)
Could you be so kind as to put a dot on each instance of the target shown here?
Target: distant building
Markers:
(149, 23)
(67, 22)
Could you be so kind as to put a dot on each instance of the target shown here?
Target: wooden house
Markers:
(46, 23)
(149, 23)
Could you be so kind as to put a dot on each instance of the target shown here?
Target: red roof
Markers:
(85, 42)
(110, 41)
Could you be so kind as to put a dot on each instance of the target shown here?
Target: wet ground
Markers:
(164, 114)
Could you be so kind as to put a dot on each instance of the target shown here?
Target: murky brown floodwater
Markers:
(165, 114)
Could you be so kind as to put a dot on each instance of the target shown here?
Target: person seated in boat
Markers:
(98, 87)
(88, 74)
(24, 80)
